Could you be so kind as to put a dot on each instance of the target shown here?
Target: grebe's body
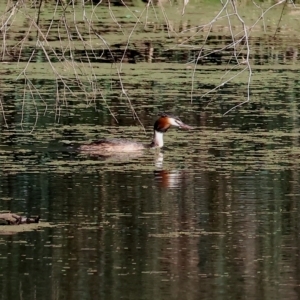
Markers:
(113, 146)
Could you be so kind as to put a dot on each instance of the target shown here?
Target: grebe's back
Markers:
(113, 146)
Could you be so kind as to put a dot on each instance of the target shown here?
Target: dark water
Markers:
(126, 234)
(215, 215)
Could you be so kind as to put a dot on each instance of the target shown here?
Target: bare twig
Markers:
(277, 27)
(197, 60)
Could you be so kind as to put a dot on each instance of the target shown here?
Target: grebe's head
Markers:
(165, 121)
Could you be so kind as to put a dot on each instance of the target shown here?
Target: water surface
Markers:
(214, 215)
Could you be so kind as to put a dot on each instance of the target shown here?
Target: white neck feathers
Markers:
(158, 140)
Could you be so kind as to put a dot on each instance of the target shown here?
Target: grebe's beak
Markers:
(184, 126)
(178, 123)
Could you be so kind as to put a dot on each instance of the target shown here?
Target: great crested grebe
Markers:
(107, 146)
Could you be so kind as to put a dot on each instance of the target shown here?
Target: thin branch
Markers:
(196, 62)
(247, 57)
(277, 27)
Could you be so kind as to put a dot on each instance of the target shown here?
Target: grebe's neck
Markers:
(157, 141)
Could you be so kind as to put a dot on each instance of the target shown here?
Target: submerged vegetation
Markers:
(84, 47)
